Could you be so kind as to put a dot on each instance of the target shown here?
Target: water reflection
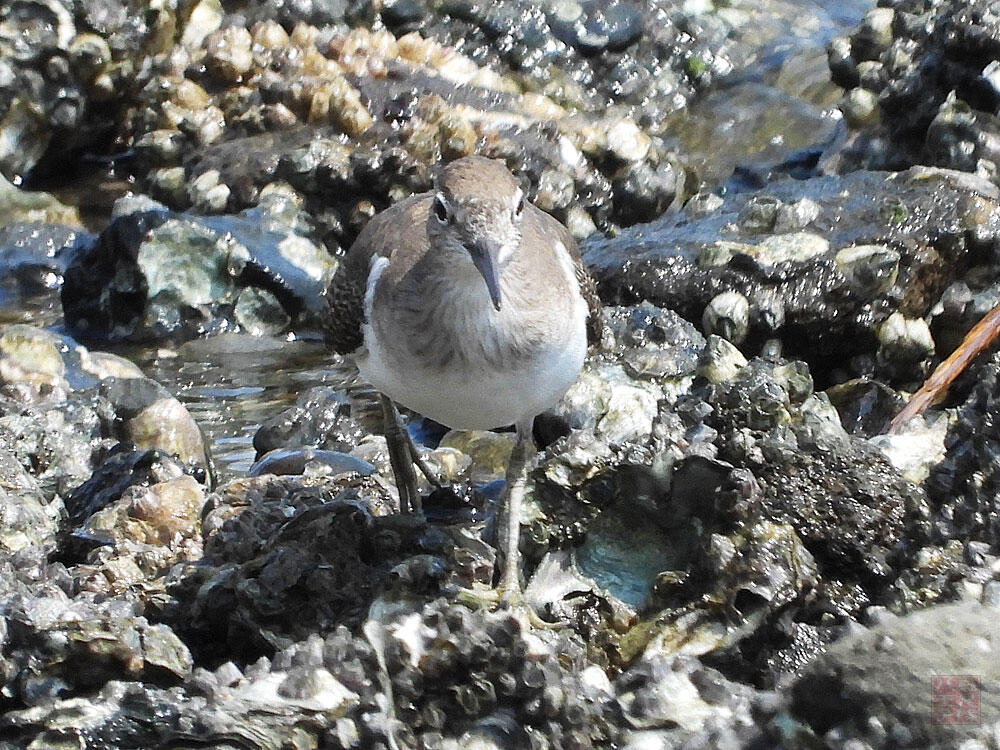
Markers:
(231, 383)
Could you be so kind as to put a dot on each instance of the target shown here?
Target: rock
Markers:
(309, 462)
(33, 256)
(149, 418)
(825, 298)
(153, 273)
(26, 516)
(962, 485)
(904, 108)
(673, 700)
(34, 207)
(925, 680)
(321, 418)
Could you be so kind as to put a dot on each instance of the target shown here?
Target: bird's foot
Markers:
(506, 598)
(432, 478)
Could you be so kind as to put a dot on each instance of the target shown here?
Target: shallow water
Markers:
(231, 383)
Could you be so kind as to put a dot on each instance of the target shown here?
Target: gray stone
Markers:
(905, 673)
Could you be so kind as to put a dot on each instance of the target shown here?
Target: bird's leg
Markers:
(509, 527)
(399, 457)
(508, 590)
(417, 459)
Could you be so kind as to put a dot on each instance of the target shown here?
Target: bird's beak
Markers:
(486, 264)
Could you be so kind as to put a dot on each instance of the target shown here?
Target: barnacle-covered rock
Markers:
(965, 486)
(816, 477)
(827, 299)
(921, 86)
(63, 64)
(354, 118)
(474, 675)
(287, 556)
(670, 700)
(153, 273)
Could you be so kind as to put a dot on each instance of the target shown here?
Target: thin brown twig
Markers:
(981, 336)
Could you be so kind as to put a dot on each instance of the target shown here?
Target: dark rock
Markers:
(935, 88)
(965, 486)
(309, 461)
(321, 418)
(797, 288)
(925, 680)
(843, 498)
(33, 256)
(153, 273)
(275, 545)
(121, 469)
(147, 417)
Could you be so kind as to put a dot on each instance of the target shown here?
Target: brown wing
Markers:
(595, 321)
(397, 233)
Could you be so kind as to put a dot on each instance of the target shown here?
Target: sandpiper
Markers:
(470, 306)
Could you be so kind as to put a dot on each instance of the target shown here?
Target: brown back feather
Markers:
(546, 227)
(398, 229)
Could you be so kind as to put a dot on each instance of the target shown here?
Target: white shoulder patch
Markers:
(378, 265)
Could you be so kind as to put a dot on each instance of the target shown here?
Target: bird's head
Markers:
(476, 214)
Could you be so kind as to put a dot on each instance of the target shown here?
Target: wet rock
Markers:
(153, 273)
(814, 478)
(120, 470)
(865, 406)
(674, 700)
(489, 452)
(149, 418)
(309, 462)
(922, 90)
(892, 684)
(33, 257)
(259, 313)
(60, 70)
(309, 545)
(357, 119)
(138, 537)
(321, 418)
(962, 486)
(34, 207)
(65, 406)
(26, 517)
(824, 301)
(60, 639)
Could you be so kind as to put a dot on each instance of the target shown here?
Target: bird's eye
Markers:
(440, 208)
(520, 206)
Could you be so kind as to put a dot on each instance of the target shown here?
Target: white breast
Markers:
(476, 394)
